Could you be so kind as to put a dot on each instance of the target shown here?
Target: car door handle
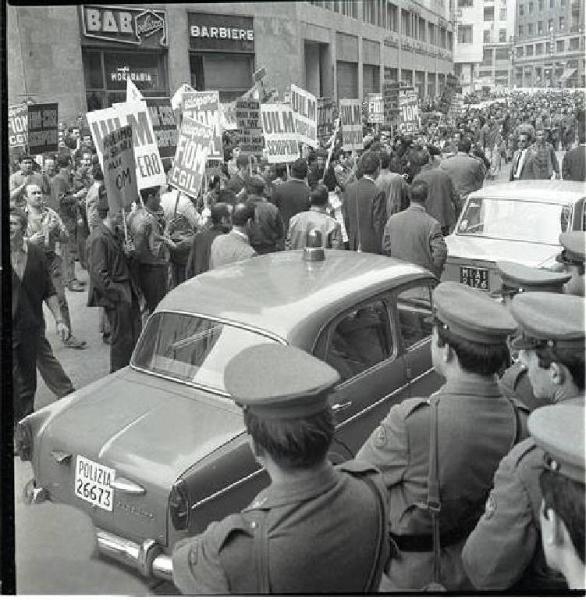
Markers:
(128, 487)
(341, 406)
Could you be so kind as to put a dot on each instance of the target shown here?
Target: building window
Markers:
(392, 21)
(369, 12)
(539, 27)
(486, 36)
(551, 3)
(538, 48)
(501, 73)
(405, 22)
(487, 57)
(442, 35)
(575, 25)
(465, 3)
(502, 35)
(464, 34)
(486, 73)
(550, 25)
(521, 28)
(530, 8)
(575, 44)
(501, 54)
(563, 3)
(422, 29)
(450, 41)
(562, 23)
(489, 13)
(431, 32)
(530, 29)
(529, 50)
(541, 5)
(520, 51)
(559, 46)
(521, 10)
(503, 14)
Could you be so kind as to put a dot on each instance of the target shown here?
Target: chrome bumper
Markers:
(146, 557)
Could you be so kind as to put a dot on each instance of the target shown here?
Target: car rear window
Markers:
(191, 348)
(538, 222)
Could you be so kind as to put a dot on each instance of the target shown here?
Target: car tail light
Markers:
(179, 505)
(23, 440)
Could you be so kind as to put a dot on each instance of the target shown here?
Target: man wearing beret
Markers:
(572, 258)
(315, 528)
(504, 550)
(559, 432)
(476, 427)
(516, 279)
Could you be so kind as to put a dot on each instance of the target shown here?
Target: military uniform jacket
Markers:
(515, 385)
(477, 426)
(321, 533)
(504, 550)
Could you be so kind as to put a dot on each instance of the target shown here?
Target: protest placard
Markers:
(228, 116)
(326, 116)
(281, 139)
(375, 108)
(390, 102)
(43, 128)
(119, 169)
(304, 106)
(193, 146)
(204, 107)
(164, 126)
(409, 112)
(149, 168)
(250, 138)
(351, 119)
(17, 125)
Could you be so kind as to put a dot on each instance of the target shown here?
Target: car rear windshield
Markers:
(538, 222)
(191, 348)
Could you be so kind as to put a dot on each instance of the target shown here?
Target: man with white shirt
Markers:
(521, 168)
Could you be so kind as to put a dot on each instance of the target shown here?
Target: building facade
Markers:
(484, 44)
(549, 43)
(81, 56)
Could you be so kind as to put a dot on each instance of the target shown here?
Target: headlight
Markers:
(179, 505)
(23, 440)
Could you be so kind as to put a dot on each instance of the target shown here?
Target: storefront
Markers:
(221, 53)
(122, 43)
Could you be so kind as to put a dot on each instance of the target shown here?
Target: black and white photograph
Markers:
(293, 298)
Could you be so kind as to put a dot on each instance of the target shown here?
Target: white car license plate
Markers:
(93, 483)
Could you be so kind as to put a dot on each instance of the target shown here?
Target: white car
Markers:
(518, 221)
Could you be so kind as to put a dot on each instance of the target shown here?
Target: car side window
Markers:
(414, 309)
(360, 340)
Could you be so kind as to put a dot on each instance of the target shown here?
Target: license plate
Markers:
(93, 483)
(474, 277)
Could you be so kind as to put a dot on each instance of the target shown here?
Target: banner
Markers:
(43, 128)
(193, 146)
(149, 168)
(409, 112)
(326, 116)
(351, 119)
(250, 138)
(304, 106)
(204, 107)
(17, 125)
(375, 108)
(120, 169)
(281, 139)
(164, 126)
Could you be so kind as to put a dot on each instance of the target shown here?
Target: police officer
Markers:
(316, 528)
(516, 279)
(504, 550)
(476, 427)
(572, 257)
(559, 431)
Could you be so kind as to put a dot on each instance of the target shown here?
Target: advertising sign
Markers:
(164, 126)
(351, 119)
(250, 138)
(43, 128)
(281, 139)
(409, 112)
(304, 106)
(193, 146)
(119, 169)
(204, 107)
(233, 33)
(326, 116)
(17, 125)
(149, 168)
(375, 108)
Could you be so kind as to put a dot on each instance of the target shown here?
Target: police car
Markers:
(518, 221)
(157, 450)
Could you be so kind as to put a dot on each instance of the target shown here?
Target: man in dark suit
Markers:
(234, 246)
(415, 236)
(292, 197)
(364, 209)
(111, 286)
(574, 162)
(522, 159)
(442, 198)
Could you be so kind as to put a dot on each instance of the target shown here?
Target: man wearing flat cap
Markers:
(572, 258)
(315, 528)
(559, 432)
(504, 551)
(516, 279)
(476, 427)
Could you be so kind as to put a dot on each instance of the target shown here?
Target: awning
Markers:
(567, 74)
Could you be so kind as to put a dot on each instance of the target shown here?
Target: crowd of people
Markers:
(399, 197)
